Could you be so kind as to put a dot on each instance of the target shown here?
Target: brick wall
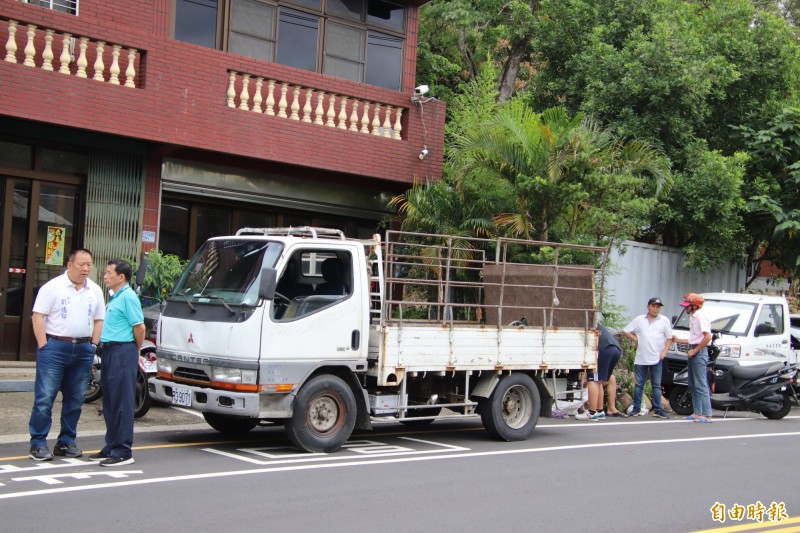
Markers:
(180, 98)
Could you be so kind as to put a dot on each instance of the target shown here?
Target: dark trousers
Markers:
(118, 380)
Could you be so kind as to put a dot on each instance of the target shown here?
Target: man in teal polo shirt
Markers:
(121, 340)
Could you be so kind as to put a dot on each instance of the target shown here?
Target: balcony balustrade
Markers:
(42, 44)
(259, 94)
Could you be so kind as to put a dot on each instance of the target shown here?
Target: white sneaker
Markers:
(582, 416)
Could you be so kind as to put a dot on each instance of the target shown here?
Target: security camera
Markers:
(424, 153)
(421, 90)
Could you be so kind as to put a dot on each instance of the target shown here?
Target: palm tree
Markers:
(544, 157)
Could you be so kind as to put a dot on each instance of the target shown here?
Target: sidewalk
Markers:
(15, 410)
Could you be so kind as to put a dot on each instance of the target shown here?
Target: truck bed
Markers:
(397, 350)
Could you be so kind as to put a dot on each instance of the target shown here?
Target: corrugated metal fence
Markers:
(639, 271)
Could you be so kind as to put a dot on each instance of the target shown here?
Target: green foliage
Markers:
(163, 271)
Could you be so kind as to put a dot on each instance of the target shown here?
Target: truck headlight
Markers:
(730, 350)
(165, 366)
(233, 375)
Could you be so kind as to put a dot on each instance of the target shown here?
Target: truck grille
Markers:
(682, 347)
(194, 374)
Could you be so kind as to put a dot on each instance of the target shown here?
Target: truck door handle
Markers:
(355, 340)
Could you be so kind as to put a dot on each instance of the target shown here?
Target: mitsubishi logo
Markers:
(190, 339)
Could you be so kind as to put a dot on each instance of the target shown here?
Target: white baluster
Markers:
(30, 50)
(354, 116)
(342, 124)
(65, 58)
(82, 62)
(307, 105)
(318, 110)
(295, 103)
(365, 119)
(257, 98)
(282, 103)
(11, 43)
(244, 96)
(387, 123)
(270, 98)
(99, 67)
(376, 120)
(130, 72)
(331, 111)
(47, 54)
(231, 93)
(398, 126)
(113, 79)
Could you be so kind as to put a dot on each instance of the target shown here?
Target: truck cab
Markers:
(753, 329)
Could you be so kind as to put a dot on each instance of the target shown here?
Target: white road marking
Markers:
(55, 479)
(369, 448)
(394, 460)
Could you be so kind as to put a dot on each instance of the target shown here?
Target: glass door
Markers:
(46, 216)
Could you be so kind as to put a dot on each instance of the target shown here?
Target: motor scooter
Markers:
(764, 388)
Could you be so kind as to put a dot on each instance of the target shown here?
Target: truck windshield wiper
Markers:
(186, 298)
(215, 297)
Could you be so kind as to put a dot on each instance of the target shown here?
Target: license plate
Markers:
(181, 396)
(150, 367)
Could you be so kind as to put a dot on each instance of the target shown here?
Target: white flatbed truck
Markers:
(325, 334)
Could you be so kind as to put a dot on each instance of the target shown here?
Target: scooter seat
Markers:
(756, 371)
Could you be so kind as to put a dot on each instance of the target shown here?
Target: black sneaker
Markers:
(116, 461)
(660, 414)
(99, 456)
(67, 450)
(40, 453)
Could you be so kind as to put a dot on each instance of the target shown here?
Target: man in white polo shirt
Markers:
(652, 334)
(67, 320)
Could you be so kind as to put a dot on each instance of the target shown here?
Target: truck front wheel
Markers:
(324, 415)
(512, 410)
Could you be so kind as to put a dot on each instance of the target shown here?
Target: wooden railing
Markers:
(260, 94)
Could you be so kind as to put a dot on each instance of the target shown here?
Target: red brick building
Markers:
(134, 124)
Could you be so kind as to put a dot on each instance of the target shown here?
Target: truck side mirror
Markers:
(268, 283)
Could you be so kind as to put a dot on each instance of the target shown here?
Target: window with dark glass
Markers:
(362, 40)
(384, 60)
(298, 38)
(196, 22)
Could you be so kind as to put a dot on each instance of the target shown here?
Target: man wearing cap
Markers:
(699, 337)
(652, 334)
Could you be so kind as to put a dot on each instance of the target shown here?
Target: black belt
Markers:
(73, 340)
(693, 346)
(114, 343)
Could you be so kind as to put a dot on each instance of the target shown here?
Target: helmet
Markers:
(692, 298)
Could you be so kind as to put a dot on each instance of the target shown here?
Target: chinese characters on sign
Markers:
(757, 512)
(54, 250)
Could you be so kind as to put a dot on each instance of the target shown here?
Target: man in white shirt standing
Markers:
(699, 338)
(67, 320)
(652, 334)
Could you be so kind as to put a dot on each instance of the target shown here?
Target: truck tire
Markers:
(324, 415)
(680, 400)
(512, 410)
(230, 425)
(784, 410)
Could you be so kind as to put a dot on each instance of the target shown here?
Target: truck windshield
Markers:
(226, 271)
(725, 316)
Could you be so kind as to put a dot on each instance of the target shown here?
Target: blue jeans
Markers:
(655, 381)
(118, 380)
(64, 366)
(698, 383)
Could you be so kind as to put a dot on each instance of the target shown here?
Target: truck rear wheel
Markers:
(512, 410)
(230, 425)
(324, 415)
